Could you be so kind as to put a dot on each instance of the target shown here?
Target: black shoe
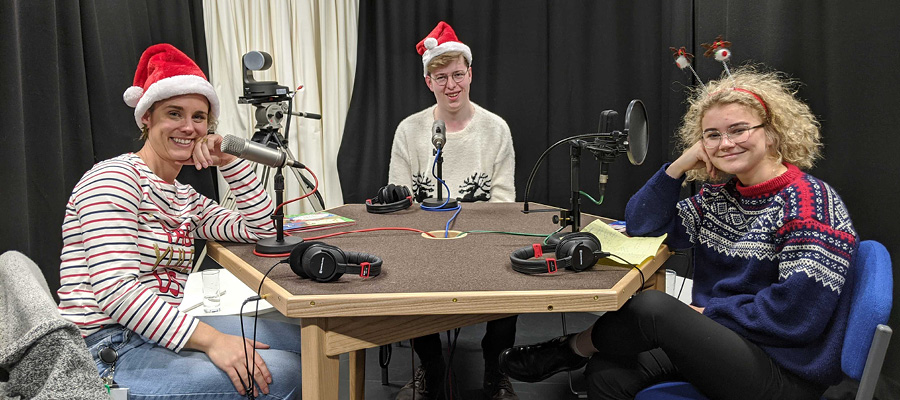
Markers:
(426, 383)
(536, 362)
(497, 386)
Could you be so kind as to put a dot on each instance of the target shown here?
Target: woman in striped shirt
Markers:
(128, 238)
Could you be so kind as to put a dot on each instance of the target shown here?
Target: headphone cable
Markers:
(640, 289)
(247, 358)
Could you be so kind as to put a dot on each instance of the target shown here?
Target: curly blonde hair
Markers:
(789, 123)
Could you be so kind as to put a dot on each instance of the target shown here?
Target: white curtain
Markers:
(313, 44)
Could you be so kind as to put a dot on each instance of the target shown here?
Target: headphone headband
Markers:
(326, 263)
(389, 199)
(576, 251)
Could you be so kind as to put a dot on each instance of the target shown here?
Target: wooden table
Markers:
(428, 285)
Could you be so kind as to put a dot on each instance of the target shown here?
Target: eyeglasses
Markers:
(458, 77)
(736, 134)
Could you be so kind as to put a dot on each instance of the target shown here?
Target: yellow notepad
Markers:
(633, 249)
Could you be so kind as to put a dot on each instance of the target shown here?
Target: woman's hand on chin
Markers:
(208, 153)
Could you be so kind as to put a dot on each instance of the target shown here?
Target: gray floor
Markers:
(468, 366)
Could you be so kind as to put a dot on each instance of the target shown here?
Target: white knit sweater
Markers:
(479, 161)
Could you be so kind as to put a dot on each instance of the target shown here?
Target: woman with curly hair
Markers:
(772, 249)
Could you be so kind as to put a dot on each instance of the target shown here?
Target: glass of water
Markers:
(670, 283)
(210, 290)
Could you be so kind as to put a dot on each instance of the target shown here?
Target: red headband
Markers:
(756, 96)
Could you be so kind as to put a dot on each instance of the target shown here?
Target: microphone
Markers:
(601, 181)
(306, 115)
(252, 151)
(438, 134)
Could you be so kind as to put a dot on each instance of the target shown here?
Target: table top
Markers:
(468, 275)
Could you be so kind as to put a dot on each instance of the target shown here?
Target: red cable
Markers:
(343, 233)
(270, 255)
(315, 189)
(367, 230)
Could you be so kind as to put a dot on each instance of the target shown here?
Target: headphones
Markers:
(389, 198)
(326, 263)
(577, 251)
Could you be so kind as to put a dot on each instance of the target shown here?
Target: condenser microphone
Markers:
(438, 134)
(601, 181)
(252, 151)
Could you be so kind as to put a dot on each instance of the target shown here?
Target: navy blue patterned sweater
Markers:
(771, 261)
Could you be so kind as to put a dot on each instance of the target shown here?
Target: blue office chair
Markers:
(867, 337)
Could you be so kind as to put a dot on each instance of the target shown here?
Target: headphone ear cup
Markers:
(579, 248)
(296, 258)
(404, 193)
(386, 193)
(321, 262)
(397, 194)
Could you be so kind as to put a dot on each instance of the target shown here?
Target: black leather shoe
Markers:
(497, 386)
(536, 362)
(426, 383)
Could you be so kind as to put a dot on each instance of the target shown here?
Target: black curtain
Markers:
(550, 67)
(66, 66)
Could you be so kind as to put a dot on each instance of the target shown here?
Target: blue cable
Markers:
(458, 207)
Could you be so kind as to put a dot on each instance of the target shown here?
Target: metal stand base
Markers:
(274, 246)
(438, 203)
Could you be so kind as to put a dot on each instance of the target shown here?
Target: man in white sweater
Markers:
(479, 165)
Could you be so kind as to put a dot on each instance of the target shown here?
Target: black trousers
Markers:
(656, 338)
(500, 335)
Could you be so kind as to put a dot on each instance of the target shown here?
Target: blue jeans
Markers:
(151, 371)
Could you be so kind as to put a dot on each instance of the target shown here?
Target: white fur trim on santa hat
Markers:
(444, 48)
(171, 87)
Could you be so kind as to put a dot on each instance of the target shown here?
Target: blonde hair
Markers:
(211, 124)
(444, 59)
(789, 123)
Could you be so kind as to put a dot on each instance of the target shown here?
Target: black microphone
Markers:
(306, 115)
(252, 151)
(438, 134)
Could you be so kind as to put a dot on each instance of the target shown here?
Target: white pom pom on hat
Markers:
(441, 40)
(133, 95)
(163, 72)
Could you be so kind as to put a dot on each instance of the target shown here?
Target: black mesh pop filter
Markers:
(637, 130)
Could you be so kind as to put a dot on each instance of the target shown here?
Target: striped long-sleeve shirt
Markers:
(128, 240)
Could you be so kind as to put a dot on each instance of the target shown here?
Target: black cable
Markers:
(640, 289)
(544, 154)
(247, 360)
(287, 128)
(451, 350)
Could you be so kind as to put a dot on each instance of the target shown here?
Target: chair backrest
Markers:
(870, 305)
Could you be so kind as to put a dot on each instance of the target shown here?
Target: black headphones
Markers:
(577, 251)
(326, 263)
(389, 198)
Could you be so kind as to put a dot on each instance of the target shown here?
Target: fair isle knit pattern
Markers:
(479, 161)
(128, 242)
(771, 261)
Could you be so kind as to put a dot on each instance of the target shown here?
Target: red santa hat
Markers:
(441, 40)
(165, 72)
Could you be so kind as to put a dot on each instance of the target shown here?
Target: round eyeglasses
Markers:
(458, 77)
(736, 134)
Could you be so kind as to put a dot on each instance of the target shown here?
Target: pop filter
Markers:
(636, 130)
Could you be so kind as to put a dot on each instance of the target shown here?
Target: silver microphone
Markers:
(252, 151)
(438, 134)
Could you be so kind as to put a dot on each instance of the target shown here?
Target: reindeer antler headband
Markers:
(718, 50)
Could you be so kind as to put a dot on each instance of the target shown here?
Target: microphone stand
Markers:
(438, 202)
(278, 244)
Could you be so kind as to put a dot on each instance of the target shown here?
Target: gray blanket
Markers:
(43, 354)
